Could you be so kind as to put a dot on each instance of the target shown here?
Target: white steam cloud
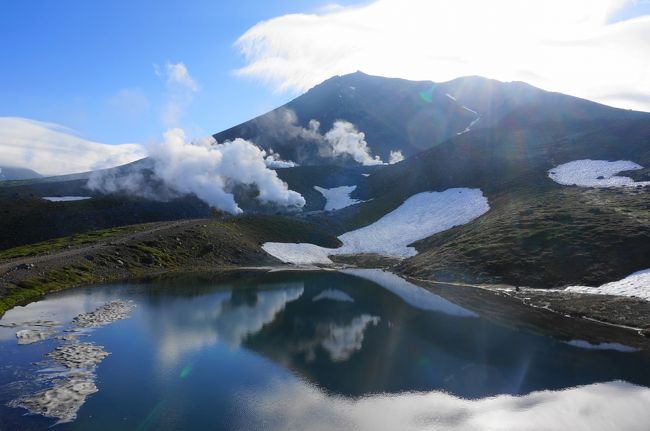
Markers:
(395, 157)
(274, 161)
(344, 138)
(206, 169)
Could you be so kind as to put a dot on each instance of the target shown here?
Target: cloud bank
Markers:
(557, 45)
(51, 149)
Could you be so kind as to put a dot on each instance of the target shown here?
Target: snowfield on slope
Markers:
(419, 217)
(66, 198)
(637, 284)
(338, 197)
(595, 173)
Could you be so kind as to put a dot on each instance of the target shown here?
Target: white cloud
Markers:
(180, 91)
(51, 149)
(130, 102)
(598, 407)
(557, 45)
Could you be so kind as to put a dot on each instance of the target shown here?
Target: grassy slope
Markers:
(133, 251)
(537, 233)
(544, 238)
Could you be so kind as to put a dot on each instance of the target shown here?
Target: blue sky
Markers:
(66, 62)
(89, 65)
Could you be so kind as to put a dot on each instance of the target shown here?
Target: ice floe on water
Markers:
(595, 173)
(334, 295)
(601, 346)
(66, 198)
(420, 216)
(337, 197)
(63, 399)
(107, 313)
(68, 389)
(636, 285)
(78, 355)
(413, 295)
(29, 336)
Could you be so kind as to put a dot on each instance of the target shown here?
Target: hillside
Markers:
(13, 173)
(30, 271)
(536, 233)
(410, 116)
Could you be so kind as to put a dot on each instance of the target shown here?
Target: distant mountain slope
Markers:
(11, 173)
(410, 116)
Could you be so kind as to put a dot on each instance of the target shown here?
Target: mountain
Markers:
(407, 116)
(12, 173)
(472, 132)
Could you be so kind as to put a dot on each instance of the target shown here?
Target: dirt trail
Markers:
(118, 239)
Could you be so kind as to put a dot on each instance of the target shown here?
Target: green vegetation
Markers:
(263, 229)
(52, 281)
(543, 237)
(67, 242)
(191, 245)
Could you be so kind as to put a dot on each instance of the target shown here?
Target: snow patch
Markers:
(469, 127)
(338, 197)
(470, 110)
(298, 253)
(334, 295)
(66, 198)
(636, 285)
(595, 173)
(450, 96)
(420, 216)
(413, 295)
(601, 346)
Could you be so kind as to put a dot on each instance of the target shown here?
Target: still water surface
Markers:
(321, 350)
